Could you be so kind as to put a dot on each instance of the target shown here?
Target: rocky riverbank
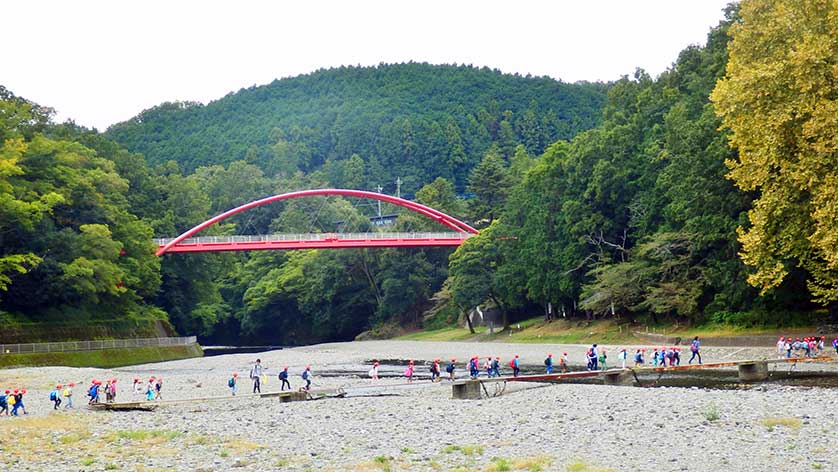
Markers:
(529, 427)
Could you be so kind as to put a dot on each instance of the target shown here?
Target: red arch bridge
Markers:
(187, 243)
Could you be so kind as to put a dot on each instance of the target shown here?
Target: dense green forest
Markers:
(642, 200)
(414, 121)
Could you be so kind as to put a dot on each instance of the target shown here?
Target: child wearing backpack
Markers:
(14, 402)
(55, 397)
(19, 402)
(283, 376)
(638, 358)
(68, 394)
(93, 392)
(435, 371)
(488, 367)
(4, 403)
(516, 366)
(602, 360)
(232, 383)
(450, 369)
(549, 362)
(563, 362)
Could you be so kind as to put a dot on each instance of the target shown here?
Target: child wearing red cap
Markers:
(516, 366)
(149, 389)
(409, 372)
(68, 394)
(232, 383)
(435, 371)
(4, 402)
(563, 362)
(373, 373)
(450, 369)
(93, 392)
(55, 397)
(13, 401)
(548, 363)
(496, 367)
(474, 367)
(488, 366)
(283, 377)
(19, 402)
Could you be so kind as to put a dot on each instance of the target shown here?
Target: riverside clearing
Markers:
(391, 426)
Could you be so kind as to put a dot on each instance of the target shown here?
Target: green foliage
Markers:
(778, 101)
(417, 121)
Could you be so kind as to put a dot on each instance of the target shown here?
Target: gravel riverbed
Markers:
(769, 426)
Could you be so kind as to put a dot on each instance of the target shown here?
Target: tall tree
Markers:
(780, 101)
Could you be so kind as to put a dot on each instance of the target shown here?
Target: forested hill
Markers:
(414, 121)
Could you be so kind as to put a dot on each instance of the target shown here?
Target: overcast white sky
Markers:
(101, 62)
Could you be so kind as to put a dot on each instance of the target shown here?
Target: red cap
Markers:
(308, 366)
(564, 353)
(497, 357)
(58, 386)
(7, 391)
(23, 390)
(17, 391)
(235, 374)
(72, 384)
(375, 363)
(453, 360)
(516, 356)
(285, 368)
(411, 362)
(136, 379)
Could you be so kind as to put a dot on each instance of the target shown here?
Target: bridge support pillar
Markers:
(293, 397)
(467, 390)
(753, 371)
(618, 377)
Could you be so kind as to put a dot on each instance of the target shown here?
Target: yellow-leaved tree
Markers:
(779, 99)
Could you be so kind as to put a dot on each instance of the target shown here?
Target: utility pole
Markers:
(379, 188)
(398, 187)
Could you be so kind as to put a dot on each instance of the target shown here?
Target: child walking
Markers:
(232, 383)
(283, 376)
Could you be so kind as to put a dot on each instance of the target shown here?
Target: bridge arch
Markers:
(426, 211)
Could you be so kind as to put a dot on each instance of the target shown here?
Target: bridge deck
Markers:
(313, 241)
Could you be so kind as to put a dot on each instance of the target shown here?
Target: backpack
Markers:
(66, 392)
(512, 363)
(53, 395)
(449, 368)
(231, 383)
(433, 368)
(305, 375)
(547, 361)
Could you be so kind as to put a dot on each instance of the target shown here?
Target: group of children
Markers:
(596, 357)
(258, 377)
(809, 346)
(11, 402)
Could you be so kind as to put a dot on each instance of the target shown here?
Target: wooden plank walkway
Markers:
(645, 370)
(287, 395)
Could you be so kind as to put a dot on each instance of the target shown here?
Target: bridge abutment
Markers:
(753, 371)
(467, 390)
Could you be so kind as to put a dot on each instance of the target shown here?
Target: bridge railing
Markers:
(312, 237)
(68, 346)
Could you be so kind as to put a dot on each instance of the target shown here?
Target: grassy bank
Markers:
(104, 359)
(535, 330)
